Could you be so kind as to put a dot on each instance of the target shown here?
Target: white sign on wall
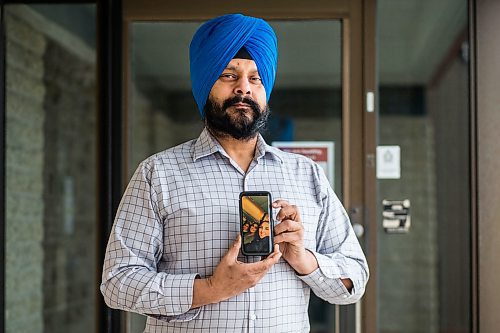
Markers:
(388, 162)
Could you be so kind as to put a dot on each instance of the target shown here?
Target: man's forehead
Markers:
(242, 64)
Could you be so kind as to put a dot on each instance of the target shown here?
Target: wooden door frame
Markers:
(358, 78)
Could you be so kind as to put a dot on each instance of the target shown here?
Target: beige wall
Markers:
(488, 107)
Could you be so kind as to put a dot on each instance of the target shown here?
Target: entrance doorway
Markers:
(317, 97)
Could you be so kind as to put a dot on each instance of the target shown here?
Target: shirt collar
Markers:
(263, 148)
(207, 144)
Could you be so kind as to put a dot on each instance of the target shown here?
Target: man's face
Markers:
(236, 104)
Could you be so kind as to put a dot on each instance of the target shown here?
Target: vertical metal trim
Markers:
(110, 136)
(342, 315)
(369, 307)
(346, 106)
(2, 166)
(474, 218)
(353, 134)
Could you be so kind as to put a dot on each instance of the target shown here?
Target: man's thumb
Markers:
(233, 251)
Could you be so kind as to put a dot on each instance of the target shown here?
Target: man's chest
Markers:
(200, 211)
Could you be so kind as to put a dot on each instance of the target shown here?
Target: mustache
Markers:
(239, 99)
(219, 121)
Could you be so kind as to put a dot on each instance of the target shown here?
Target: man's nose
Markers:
(243, 87)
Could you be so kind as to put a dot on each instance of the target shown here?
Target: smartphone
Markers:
(256, 223)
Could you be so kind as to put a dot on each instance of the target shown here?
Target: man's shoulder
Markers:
(173, 155)
(298, 165)
(289, 157)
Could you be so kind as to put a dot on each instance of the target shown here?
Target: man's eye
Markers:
(228, 76)
(256, 79)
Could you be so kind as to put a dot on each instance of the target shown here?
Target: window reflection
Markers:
(50, 168)
(424, 276)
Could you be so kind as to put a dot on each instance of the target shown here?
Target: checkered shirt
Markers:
(178, 217)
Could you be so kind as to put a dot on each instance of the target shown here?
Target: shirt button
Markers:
(321, 279)
(253, 316)
(344, 296)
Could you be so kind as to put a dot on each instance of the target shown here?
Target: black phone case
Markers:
(271, 223)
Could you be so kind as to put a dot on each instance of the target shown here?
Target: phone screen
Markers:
(256, 224)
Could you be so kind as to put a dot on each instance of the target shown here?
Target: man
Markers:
(174, 251)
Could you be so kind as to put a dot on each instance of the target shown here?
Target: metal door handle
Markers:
(359, 230)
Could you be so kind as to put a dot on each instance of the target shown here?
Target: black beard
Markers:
(220, 123)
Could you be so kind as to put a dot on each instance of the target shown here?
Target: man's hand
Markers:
(231, 277)
(289, 234)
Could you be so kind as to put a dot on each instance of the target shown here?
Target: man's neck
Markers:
(241, 151)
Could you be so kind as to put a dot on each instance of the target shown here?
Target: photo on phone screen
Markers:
(256, 223)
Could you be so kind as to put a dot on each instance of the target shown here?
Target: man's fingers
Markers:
(232, 253)
(273, 258)
(280, 203)
(276, 255)
(264, 265)
(290, 212)
(287, 226)
(288, 237)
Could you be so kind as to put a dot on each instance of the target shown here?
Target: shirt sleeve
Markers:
(130, 279)
(338, 253)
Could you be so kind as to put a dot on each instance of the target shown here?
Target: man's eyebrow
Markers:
(236, 68)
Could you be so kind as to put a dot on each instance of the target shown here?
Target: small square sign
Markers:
(388, 162)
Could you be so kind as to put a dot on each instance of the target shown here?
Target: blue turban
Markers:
(217, 41)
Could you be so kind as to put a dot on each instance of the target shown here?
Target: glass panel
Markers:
(306, 102)
(424, 275)
(51, 265)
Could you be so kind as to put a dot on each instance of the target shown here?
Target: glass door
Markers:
(424, 213)
(313, 101)
(51, 152)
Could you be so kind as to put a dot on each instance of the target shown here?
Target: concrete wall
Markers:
(25, 143)
(488, 135)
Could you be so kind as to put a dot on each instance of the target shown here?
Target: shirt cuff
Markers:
(190, 315)
(180, 296)
(327, 277)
